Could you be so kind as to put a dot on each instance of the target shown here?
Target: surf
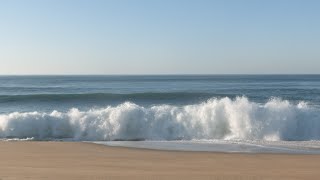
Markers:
(214, 119)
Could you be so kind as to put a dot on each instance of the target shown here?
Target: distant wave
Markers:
(222, 118)
(108, 96)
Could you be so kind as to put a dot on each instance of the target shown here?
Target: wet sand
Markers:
(76, 160)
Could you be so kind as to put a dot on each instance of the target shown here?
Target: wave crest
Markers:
(214, 119)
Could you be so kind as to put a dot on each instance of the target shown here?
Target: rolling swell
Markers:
(108, 96)
(218, 118)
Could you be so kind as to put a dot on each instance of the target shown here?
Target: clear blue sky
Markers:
(159, 36)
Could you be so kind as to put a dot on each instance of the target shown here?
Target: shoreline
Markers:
(83, 160)
(257, 147)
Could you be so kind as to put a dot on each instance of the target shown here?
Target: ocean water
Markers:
(209, 108)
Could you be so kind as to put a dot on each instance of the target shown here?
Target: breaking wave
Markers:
(223, 118)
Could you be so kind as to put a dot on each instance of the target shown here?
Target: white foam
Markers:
(224, 118)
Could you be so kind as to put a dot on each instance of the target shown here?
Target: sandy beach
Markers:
(76, 160)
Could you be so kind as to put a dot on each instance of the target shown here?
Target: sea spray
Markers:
(222, 118)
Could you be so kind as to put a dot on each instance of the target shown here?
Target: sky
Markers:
(159, 37)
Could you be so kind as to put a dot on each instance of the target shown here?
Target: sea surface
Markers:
(172, 109)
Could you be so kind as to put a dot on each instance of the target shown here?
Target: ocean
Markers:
(164, 108)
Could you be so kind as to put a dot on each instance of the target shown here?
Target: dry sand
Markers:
(75, 160)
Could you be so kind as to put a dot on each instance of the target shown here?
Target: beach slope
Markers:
(76, 160)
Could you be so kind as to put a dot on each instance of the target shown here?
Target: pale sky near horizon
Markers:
(159, 37)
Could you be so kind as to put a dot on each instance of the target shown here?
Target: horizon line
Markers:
(169, 74)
